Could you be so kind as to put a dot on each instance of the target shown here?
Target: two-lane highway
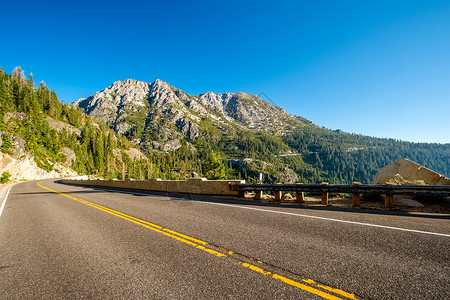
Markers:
(61, 241)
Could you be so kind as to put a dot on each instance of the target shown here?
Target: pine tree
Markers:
(213, 167)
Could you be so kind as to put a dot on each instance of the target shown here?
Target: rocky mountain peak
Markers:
(110, 103)
(121, 87)
(127, 105)
(159, 82)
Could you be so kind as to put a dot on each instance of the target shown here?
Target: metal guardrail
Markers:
(356, 189)
(352, 188)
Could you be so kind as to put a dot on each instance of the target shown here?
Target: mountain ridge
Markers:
(126, 97)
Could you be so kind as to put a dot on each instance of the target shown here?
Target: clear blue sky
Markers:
(379, 68)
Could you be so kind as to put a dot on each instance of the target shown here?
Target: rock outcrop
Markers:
(21, 165)
(134, 153)
(406, 172)
(59, 126)
(15, 115)
(19, 146)
(255, 167)
(25, 168)
(69, 154)
(113, 103)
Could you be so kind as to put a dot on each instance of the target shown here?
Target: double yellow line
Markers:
(202, 245)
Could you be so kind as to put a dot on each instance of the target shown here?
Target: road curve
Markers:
(61, 241)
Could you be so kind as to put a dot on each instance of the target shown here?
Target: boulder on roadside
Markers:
(409, 203)
(287, 196)
(406, 172)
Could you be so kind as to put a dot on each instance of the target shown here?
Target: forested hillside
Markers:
(184, 140)
(341, 157)
(49, 128)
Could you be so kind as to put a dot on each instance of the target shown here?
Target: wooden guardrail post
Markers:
(325, 196)
(277, 195)
(299, 196)
(356, 197)
(389, 198)
(235, 187)
(389, 201)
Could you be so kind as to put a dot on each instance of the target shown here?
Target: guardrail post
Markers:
(389, 201)
(356, 197)
(389, 198)
(235, 187)
(277, 195)
(300, 196)
(325, 196)
(258, 194)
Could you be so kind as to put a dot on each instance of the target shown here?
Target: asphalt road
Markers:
(67, 242)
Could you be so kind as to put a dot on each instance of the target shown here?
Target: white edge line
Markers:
(288, 213)
(6, 198)
(330, 219)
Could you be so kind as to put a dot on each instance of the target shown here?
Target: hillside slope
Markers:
(43, 138)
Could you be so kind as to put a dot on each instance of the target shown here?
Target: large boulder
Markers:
(406, 172)
(409, 203)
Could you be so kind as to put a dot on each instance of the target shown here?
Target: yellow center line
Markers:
(337, 291)
(136, 220)
(306, 288)
(199, 244)
(254, 268)
(186, 236)
(124, 216)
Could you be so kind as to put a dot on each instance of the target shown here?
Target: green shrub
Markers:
(6, 144)
(5, 177)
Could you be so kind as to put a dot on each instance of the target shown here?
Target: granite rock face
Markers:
(59, 126)
(254, 167)
(21, 164)
(19, 146)
(70, 155)
(115, 103)
(248, 110)
(25, 168)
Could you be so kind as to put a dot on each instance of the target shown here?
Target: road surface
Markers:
(66, 242)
